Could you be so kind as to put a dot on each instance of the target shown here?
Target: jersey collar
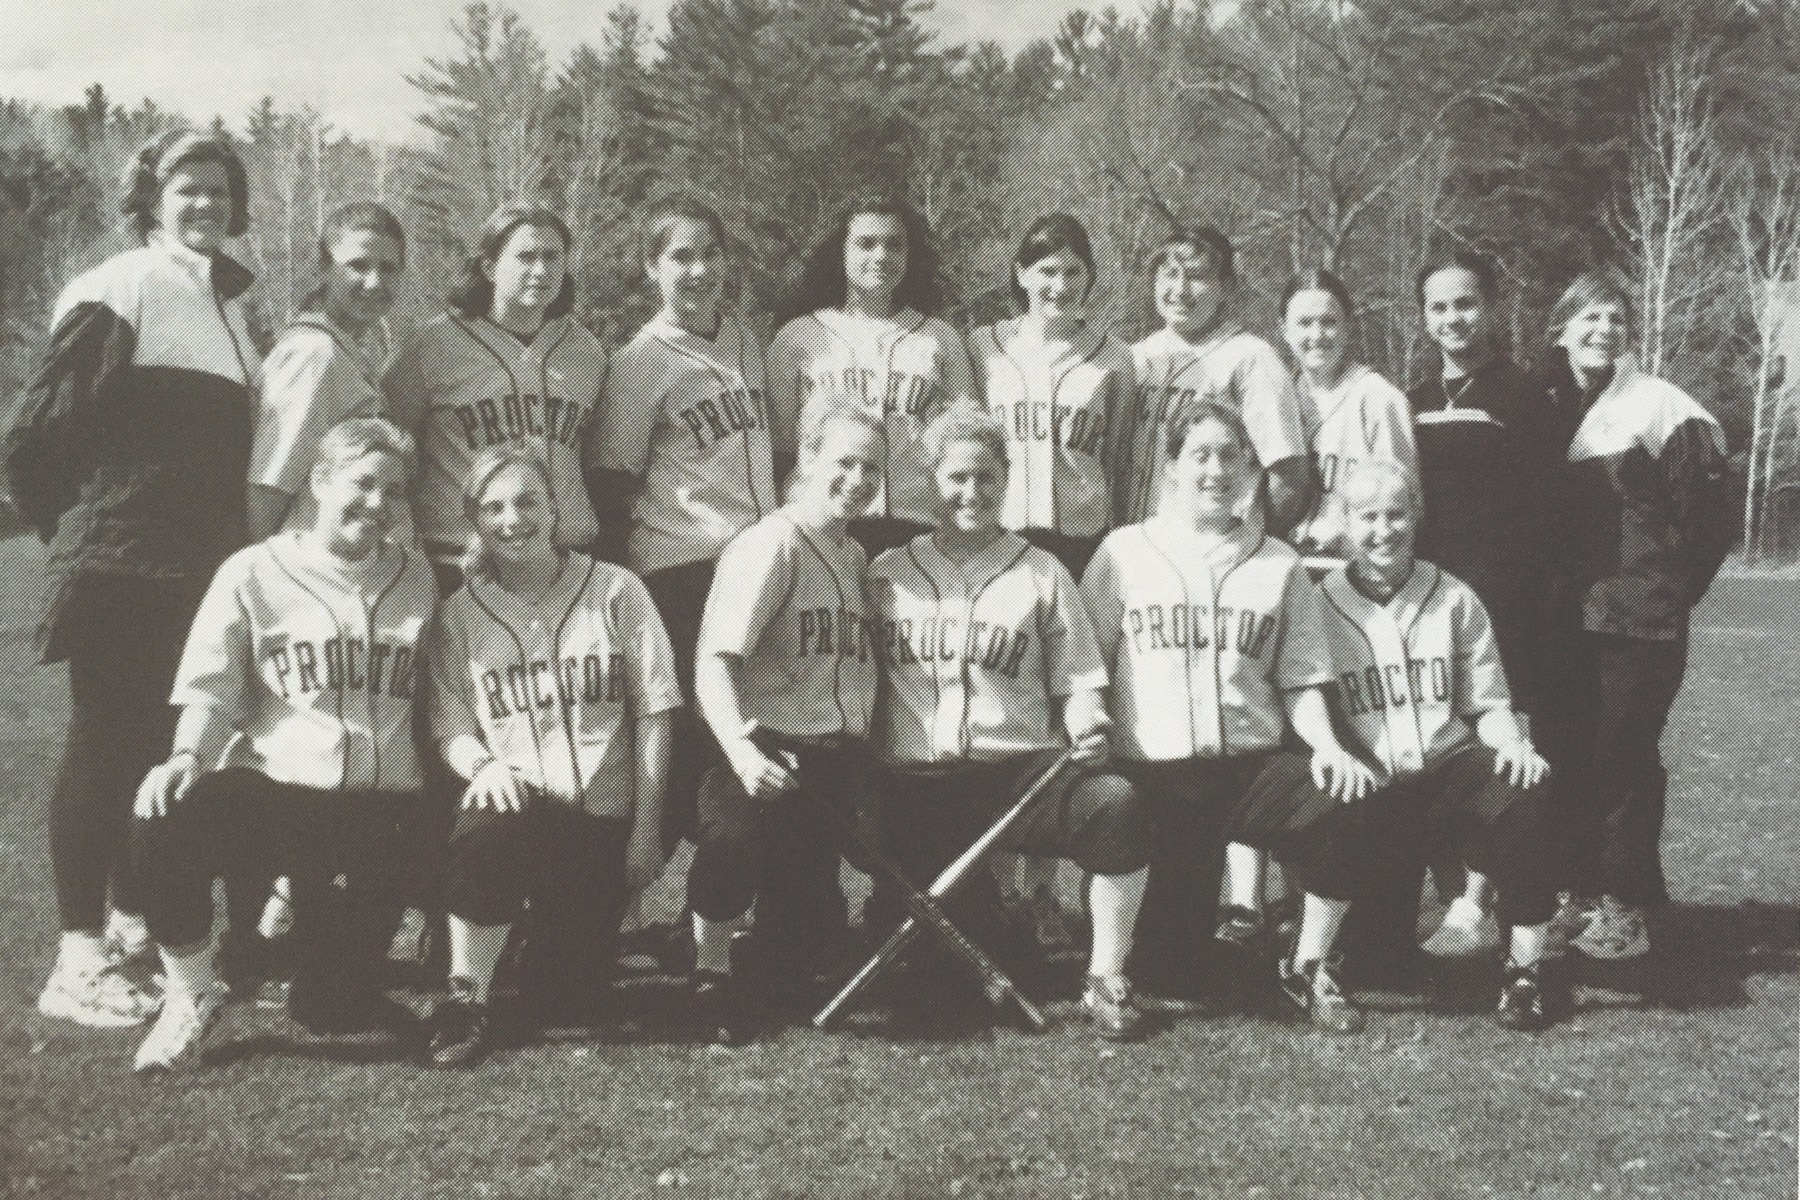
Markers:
(571, 581)
(1406, 606)
(981, 569)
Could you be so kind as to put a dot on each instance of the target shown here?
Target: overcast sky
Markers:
(348, 58)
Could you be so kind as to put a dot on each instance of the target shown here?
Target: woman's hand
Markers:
(1520, 762)
(166, 784)
(495, 786)
(761, 776)
(1089, 727)
(1341, 775)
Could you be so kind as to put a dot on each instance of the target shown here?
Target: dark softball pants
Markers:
(238, 819)
(679, 594)
(1347, 851)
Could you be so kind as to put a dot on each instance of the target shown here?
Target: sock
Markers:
(1244, 876)
(712, 944)
(1319, 924)
(1464, 912)
(190, 973)
(475, 952)
(1113, 902)
(81, 952)
(1528, 943)
(129, 930)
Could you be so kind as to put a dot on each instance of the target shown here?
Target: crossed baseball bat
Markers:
(925, 910)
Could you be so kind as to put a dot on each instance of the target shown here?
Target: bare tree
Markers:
(1766, 221)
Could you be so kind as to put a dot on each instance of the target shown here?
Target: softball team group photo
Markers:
(481, 620)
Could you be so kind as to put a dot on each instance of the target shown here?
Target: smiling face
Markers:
(689, 274)
(1189, 290)
(1209, 476)
(1455, 312)
(971, 485)
(1596, 337)
(1056, 285)
(527, 274)
(1317, 329)
(842, 474)
(1380, 520)
(358, 500)
(194, 206)
(514, 517)
(875, 254)
(359, 280)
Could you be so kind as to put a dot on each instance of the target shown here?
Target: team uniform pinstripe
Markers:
(689, 416)
(1235, 368)
(552, 688)
(905, 369)
(463, 384)
(1361, 418)
(1061, 421)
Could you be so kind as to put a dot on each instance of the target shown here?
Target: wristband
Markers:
(193, 754)
(481, 764)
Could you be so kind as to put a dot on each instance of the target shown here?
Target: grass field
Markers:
(1677, 1082)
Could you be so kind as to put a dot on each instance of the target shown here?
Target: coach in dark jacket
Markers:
(128, 455)
(1645, 521)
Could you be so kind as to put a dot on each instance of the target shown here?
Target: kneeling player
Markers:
(294, 749)
(786, 681)
(987, 650)
(552, 688)
(1422, 693)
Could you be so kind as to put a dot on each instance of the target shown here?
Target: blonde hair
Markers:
(354, 437)
(1380, 470)
(965, 423)
(486, 465)
(820, 413)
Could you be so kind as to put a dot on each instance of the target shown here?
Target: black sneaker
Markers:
(459, 1036)
(1316, 989)
(1241, 928)
(718, 1007)
(1522, 1004)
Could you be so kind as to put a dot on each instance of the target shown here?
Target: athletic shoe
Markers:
(1522, 999)
(1242, 928)
(105, 998)
(1316, 989)
(1112, 1009)
(176, 1040)
(1573, 915)
(1468, 931)
(718, 1007)
(459, 1036)
(1616, 931)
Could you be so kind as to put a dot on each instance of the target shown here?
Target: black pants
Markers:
(780, 854)
(123, 639)
(1190, 802)
(680, 597)
(1346, 851)
(570, 865)
(238, 820)
(1602, 731)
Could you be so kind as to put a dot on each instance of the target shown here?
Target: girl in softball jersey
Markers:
(1210, 629)
(505, 364)
(326, 367)
(1202, 352)
(295, 745)
(1354, 414)
(1059, 386)
(128, 456)
(785, 677)
(685, 448)
(1422, 696)
(990, 672)
(863, 324)
(1643, 496)
(552, 685)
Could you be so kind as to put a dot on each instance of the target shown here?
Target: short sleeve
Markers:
(300, 401)
(218, 663)
(1303, 657)
(1271, 405)
(447, 662)
(1072, 661)
(630, 411)
(654, 687)
(754, 580)
(1480, 678)
(1105, 606)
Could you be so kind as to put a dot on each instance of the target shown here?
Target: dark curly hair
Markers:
(474, 296)
(822, 284)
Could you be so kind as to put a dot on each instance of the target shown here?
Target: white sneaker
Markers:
(1468, 931)
(105, 998)
(1616, 931)
(179, 1035)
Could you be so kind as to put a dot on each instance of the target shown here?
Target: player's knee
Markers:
(1117, 825)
